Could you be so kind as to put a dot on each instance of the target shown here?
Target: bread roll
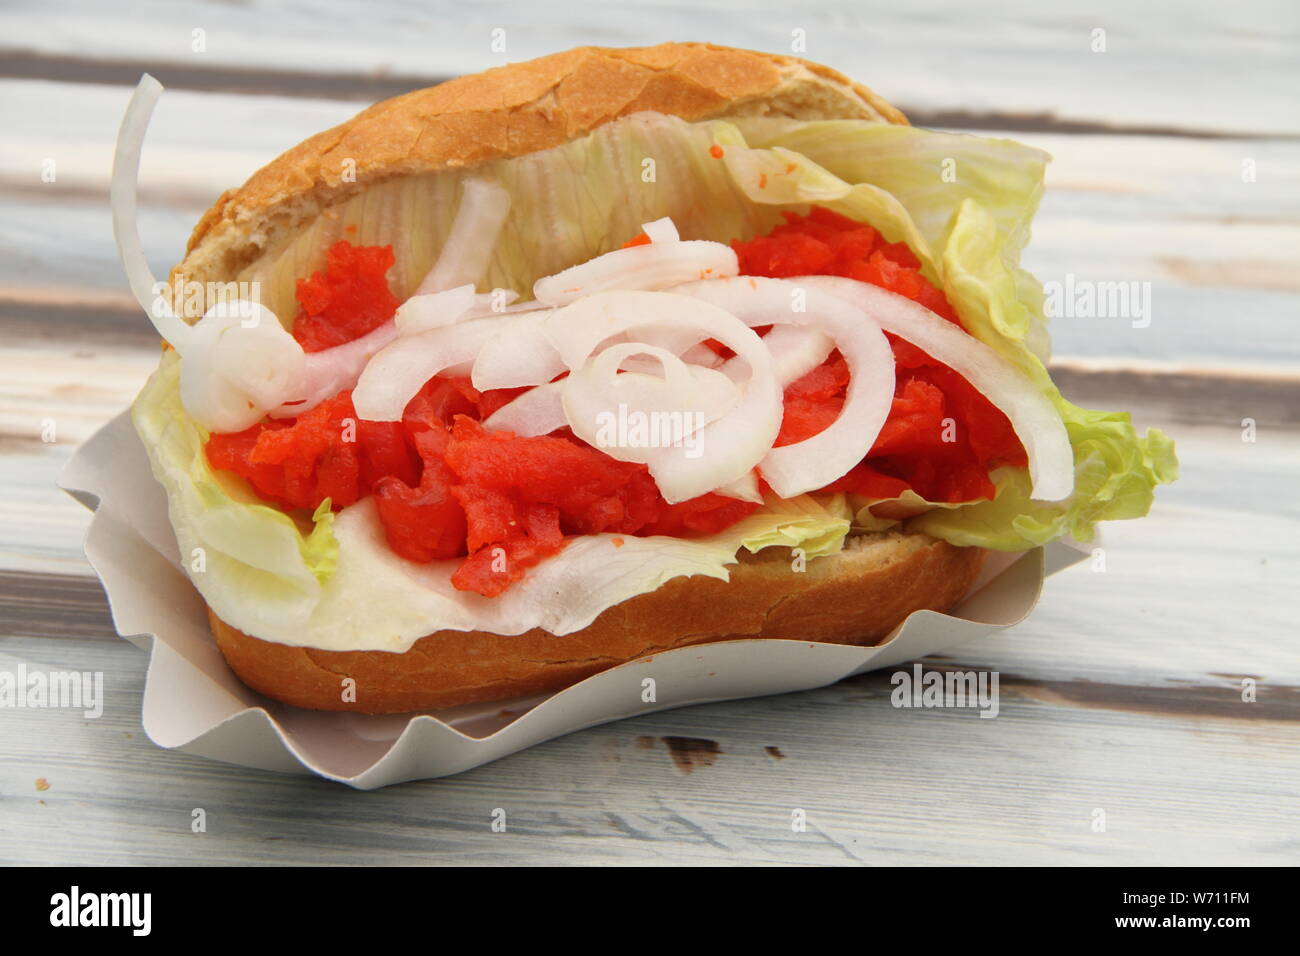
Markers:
(855, 597)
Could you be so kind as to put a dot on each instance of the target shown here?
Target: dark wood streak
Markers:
(40, 319)
(1201, 397)
(62, 194)
(1275, 703)
(206, 78)
(1046, 122)
(379, 85)
(1222, 700)
(36, 604)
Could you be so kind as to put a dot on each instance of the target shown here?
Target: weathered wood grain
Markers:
(878, 785)
(1163, 67)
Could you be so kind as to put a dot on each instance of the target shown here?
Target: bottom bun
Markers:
(855, 597)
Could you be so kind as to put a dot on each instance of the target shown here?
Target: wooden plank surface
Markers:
(1187, 67)
(1123, 691)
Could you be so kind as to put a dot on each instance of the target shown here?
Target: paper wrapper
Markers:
(193, 702)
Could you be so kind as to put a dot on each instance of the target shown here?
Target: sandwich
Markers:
(572, 362)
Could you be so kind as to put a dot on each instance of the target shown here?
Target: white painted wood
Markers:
(1166, 66)
(878, 785)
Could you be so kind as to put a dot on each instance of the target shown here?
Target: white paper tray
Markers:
(194, 703)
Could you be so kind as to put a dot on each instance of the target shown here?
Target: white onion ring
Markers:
(672, 407)
(1033, 418)
(817, 461)
(661, 230)
(521, 355)
(434, 310)
(123, 200)
(743, 489)
(525, 356)
(735, 442)
(330, 371)
(538, 411)
(484, 207)
(644, 267)
(399, 371)
(241, 364)
(796, 351)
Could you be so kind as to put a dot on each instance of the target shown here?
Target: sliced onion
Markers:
(796, 351)
(484, 206)
(151, 294)
(701, 354)
(332, 370)
(485, 303)
(524, 355)
(520, 355)
(720, 452)
(817, 461)
(632, 415)
(1033, 418)
(743, 489)
(645, 267)
(433, 310)
(399, 371)
(661, 230)
(241, 364)
(538, 411)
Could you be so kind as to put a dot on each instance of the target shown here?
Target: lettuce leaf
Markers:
(1116, 470)
(816, 524)
(237, 550)
(377, 601)
(963, 204)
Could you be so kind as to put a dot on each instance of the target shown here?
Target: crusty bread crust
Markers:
(504, 112)
(856, 597)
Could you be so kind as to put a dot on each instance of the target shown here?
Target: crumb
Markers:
(616, 542)
(42, 784)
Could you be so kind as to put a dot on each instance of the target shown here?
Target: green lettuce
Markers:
(816, 524)
(1116, 470)
(237, 549)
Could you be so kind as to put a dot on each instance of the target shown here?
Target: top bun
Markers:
(510, 111)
